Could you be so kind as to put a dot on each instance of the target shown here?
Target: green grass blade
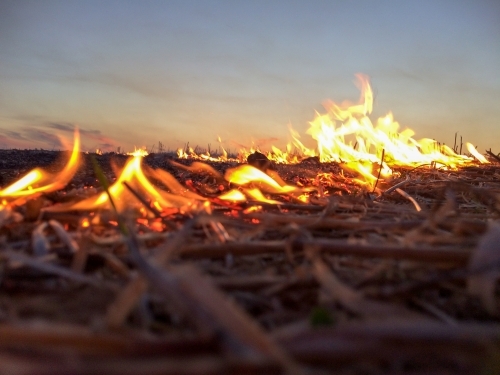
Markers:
(105, 185)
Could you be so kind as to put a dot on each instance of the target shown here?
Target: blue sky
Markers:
(132, 73)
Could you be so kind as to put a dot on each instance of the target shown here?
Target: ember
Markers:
(370, 228)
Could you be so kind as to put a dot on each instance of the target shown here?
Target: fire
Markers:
(253, 182)
(138, 152)
(133, 188)
(476, 154)
(246, 174)
(38, 181)
(133, 175)
(190, 153)
(233, 195)
(344, 134)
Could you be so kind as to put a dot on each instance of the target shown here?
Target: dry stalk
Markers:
(320, 222)
(422, 254)
(64, 236)
(50, 268)
(195, 296)
(410, 198)
(493, 155)
(141, 199)
(398, 185)
(127, 299)
(119, 238)
(434, 311)
(351, 299)
(61, 336)
(381, 340)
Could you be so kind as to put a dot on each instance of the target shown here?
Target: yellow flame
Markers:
(239, 196)
(190, 153)
(345, 134)
(246, 174)
(138, 152)
(233, 195)
(476, 154)
(257, 195)
(38, 181)
(133, 174)
(198, 167)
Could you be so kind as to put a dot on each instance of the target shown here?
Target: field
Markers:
(398, 280)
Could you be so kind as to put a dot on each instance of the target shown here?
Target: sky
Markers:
(135, 73)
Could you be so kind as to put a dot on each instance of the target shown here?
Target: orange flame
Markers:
(133, 174)
(138, 152)
(345, 134)
(344, 124)
(476, 154)
(245, 174)
(38, 181)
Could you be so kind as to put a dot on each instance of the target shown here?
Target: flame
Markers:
(138, 152)
(476, 154)
(190, 153)
(133, 175)
(234, 196)
(133, 185)
(38, 181)
(246, 174)
(346, 135)
(85, 223)
(243, 195)
(257, 196)
(253, 182)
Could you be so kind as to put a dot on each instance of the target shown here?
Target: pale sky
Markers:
(132, 73)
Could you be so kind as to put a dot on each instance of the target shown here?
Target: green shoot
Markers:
(105, 184)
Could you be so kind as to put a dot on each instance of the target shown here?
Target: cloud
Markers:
(66, 127)
(92, 134)
(41, 136)
(12, 135)
(69, 127)
(98, 137)
(149, 85)
(7, 142)
(36, 136)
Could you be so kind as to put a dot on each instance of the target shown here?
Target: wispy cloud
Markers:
(65, 127)
(44, 137)
(103, 142)
(70, 128)
(13, 135)
(7, 142)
